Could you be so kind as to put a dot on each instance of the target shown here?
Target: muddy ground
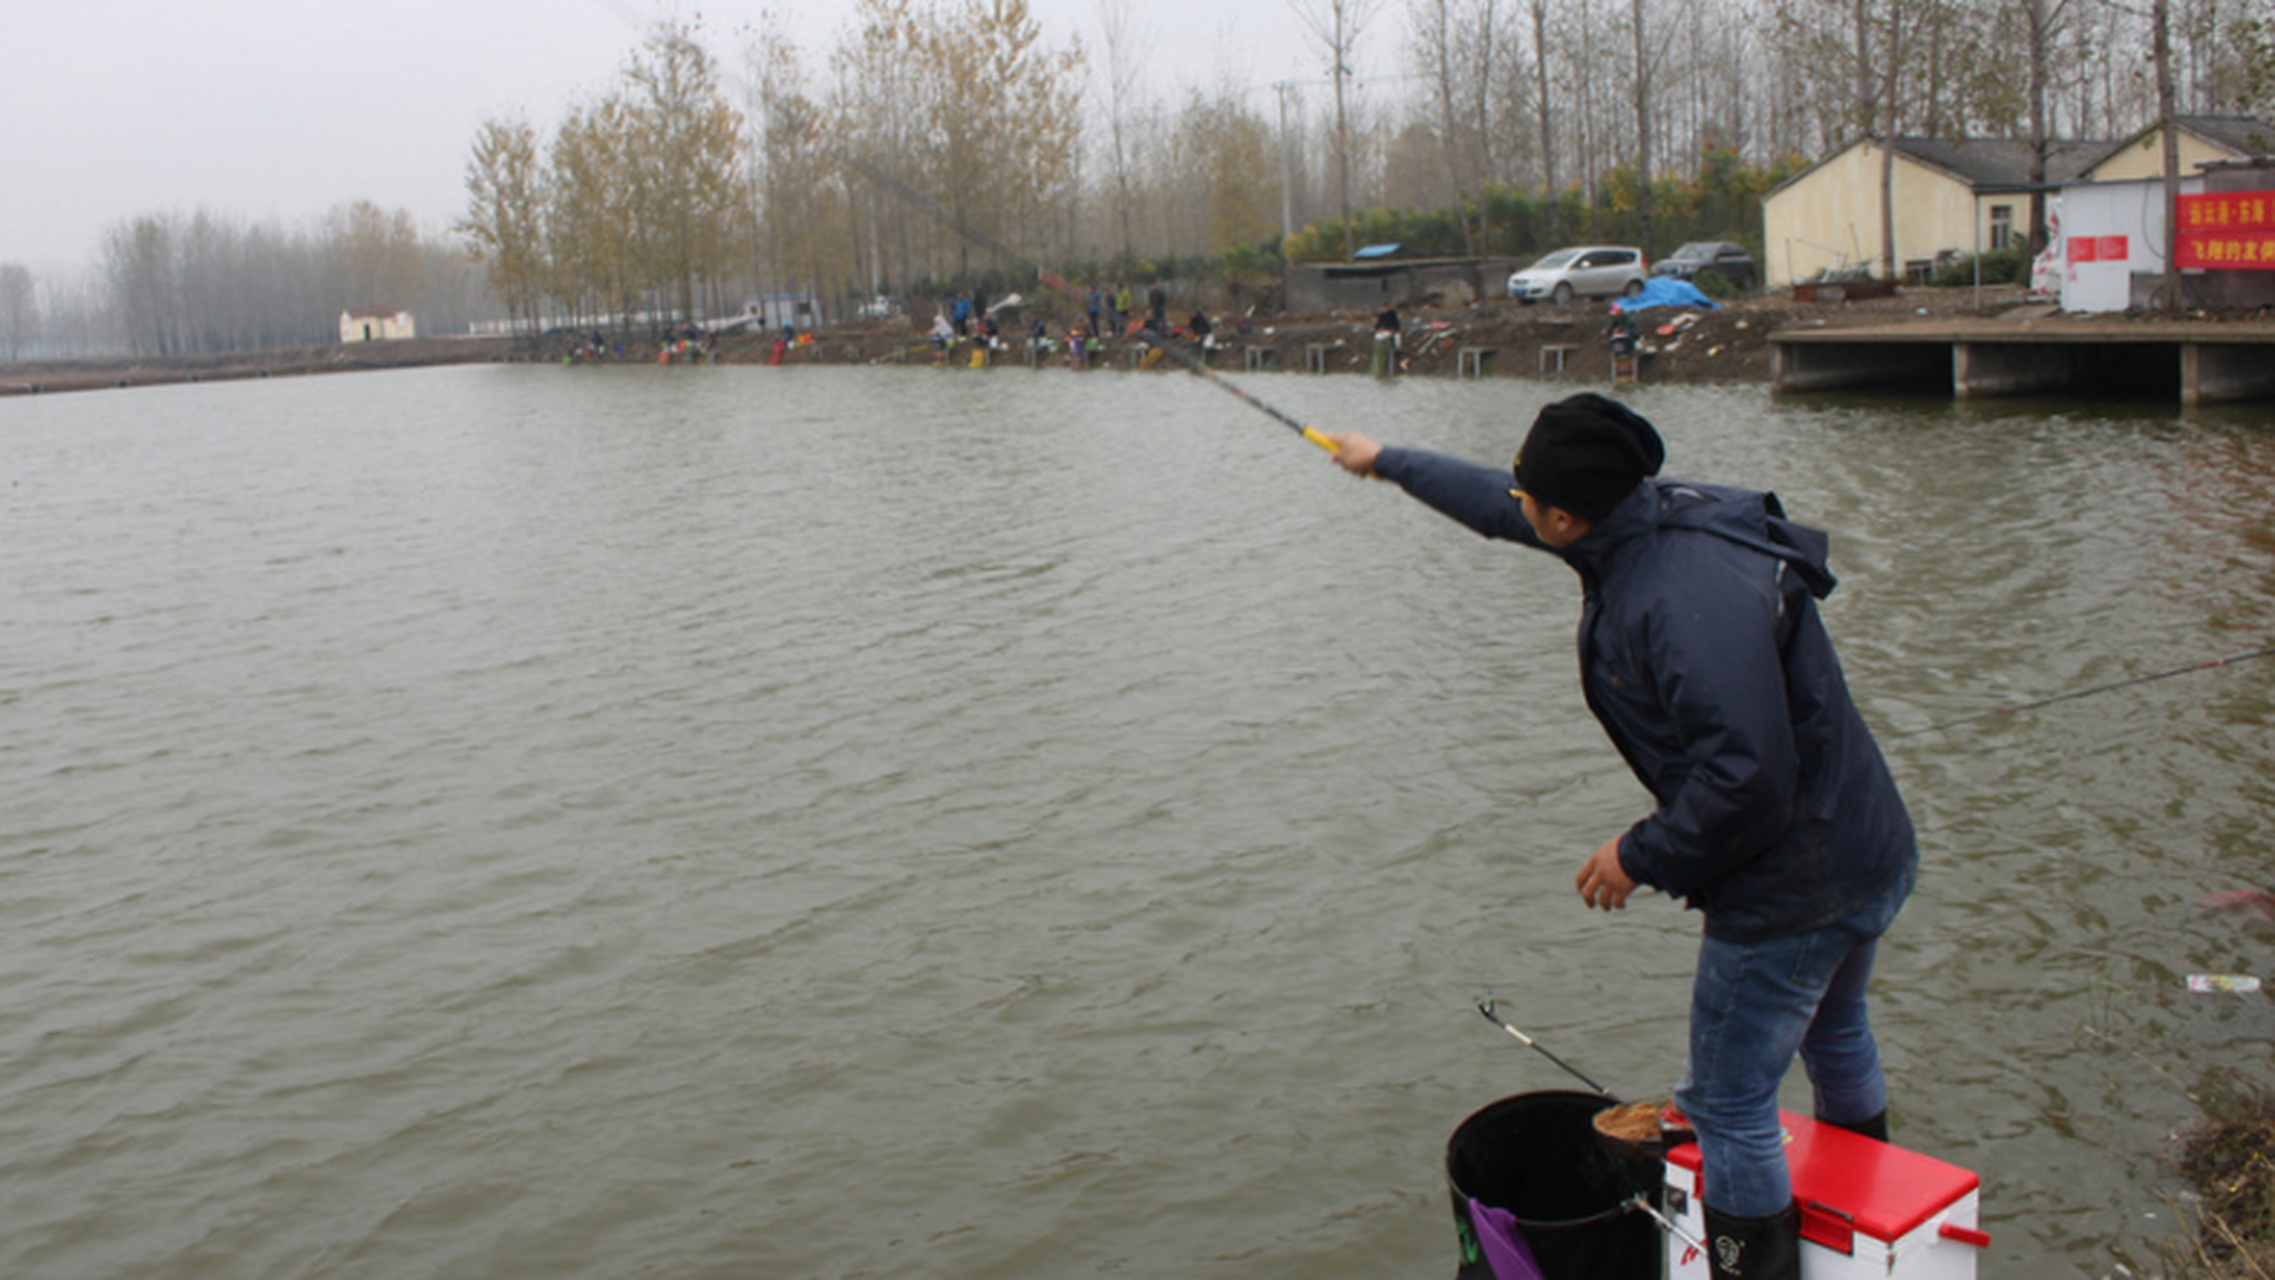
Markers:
(1727, 345)
(1730, 344)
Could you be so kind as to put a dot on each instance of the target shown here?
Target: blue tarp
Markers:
(1666, 291)
(1374, 251)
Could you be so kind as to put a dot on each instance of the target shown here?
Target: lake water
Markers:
(511, 822)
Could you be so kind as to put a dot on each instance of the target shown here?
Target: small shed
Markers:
(1387, 280)
(2105, 234)
(2110, 248)
(376, 324)
(800, 311)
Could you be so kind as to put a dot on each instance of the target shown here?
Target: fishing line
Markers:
(1044, 275)
(2075, 694)
(1057, 283)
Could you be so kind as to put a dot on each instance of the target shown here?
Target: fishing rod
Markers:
(2074, 694)
(1048, 278)
(1486, 1007)
(1642, 1202)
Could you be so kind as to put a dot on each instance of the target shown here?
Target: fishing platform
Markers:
(2193, 363)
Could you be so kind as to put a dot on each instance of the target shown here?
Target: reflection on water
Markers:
(536, 822)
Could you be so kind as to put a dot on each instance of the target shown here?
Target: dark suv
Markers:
(1731, 260)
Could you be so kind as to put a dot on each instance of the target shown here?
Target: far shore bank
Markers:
(1493, 339)
(48, 376)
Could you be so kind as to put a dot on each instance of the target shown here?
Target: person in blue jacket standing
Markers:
(1704, 657)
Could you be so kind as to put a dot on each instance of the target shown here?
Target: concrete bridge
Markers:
(2190, 362)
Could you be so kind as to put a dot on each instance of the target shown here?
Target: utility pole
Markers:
(1284, 88)
(1337, 31)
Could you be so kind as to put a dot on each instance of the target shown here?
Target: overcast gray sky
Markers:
(278, 110)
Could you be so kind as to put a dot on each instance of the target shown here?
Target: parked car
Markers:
(1731, 260)
(1594, 270)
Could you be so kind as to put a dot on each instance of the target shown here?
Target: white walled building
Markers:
(376, 324)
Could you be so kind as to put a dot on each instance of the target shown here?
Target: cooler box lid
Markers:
(1885, 1191)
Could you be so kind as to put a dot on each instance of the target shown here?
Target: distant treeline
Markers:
(1514, 126)
(203, 283)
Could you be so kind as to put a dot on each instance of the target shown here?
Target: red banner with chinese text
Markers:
(2227, 231)
(2098, 248)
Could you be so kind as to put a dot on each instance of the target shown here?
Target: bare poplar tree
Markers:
(19, 309)
(1544, 102)
(1039, 149)
(689, 170)
(1646, 112)
(2160, 43)
(1336, 26)
(1584, 80)
(1003, 114)
(1128, 47)
(2042, 24)
(138, 263)
(1223, 149)
(802, 236)
(592, 224)
(2250, 75)
(505, 216)
(1452, 44)
(876, 113)
(1485, 35)
(374, 255)
(1880, 105)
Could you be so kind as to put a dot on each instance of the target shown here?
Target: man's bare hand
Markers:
(1602, 881)
(1354, 453)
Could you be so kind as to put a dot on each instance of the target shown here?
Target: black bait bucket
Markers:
(1535, 1158)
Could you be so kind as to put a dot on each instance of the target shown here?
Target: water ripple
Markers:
(535, 822)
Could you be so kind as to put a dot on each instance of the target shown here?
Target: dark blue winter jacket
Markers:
(1703, 656)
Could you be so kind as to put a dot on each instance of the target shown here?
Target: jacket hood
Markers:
(1751, 518)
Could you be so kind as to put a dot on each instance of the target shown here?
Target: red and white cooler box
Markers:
(1868, 1209)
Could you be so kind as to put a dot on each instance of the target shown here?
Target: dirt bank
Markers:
(1508, 339)
(1727, 345)
(45, 376)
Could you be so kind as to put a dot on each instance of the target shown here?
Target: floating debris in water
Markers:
(2236, 982)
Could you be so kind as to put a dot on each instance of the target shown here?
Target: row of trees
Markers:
(207, 282)
(1538, 95)
(941, 139)
(1510, 126)
(641, 202)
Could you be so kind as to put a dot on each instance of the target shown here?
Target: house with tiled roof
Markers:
(1951, 198)
(1957, 197)
(2203, 140)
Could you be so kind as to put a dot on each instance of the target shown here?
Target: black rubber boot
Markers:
(1875, 1128)
(1754, 1248)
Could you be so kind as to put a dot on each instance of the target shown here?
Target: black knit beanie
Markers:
(1585, 453)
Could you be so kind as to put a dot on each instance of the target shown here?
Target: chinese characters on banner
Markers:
(2227, 231)
(2098, 248)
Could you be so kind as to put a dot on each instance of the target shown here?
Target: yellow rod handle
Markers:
(1320, 440)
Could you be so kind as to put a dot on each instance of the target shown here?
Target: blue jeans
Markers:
(1754, 1005)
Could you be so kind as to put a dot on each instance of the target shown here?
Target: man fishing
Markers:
(1703, 656)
